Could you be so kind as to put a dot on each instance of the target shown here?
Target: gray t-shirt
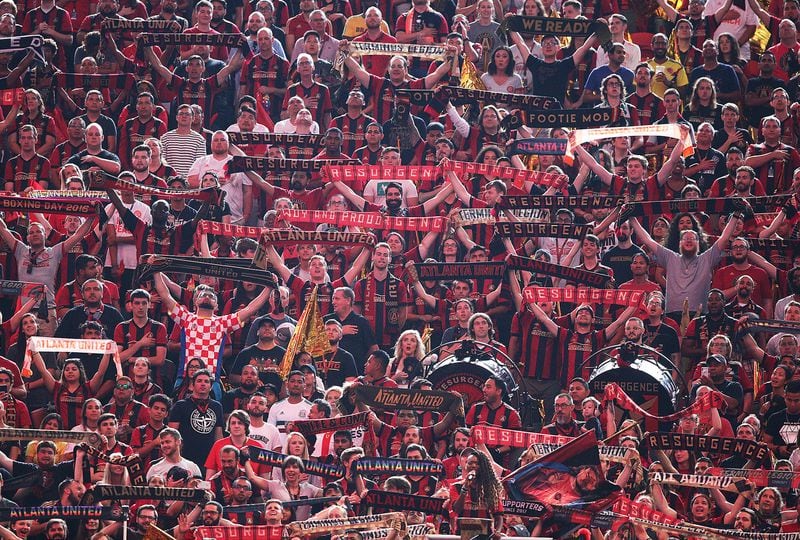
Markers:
(487, 37)
(688, 278)
(43, 270)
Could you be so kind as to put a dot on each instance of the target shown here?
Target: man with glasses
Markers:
(551, 75)
(564, 421)
(93, 309)
(146, 515)
(182, 145)
(592, 94)
(241, 494)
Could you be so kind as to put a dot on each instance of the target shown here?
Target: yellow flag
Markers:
(470, 78)
(309, 336)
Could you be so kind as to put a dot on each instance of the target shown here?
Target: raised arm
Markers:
(672, 13)
(358, 264)
(277, 263)
(47, 377)
(612, 328)
(255, 304)
(83, 230)
(522, 47)
(355, 199)
(162, 71)
(542, 317)
(163, 292)
(643, 235)
(443, 70)
(97, 380)
(587, 159)
(354, 67)
(230, 68)
(762, 13)
(666, 170)
(727, 232)
(7, 237)
(723, 10)
(430, 205)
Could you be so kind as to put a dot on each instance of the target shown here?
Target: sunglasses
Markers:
(124, 386)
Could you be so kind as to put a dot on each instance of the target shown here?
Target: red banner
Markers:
(368, 220)
(494, 436)
(583, 295)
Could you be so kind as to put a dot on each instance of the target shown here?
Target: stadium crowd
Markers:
(200, 375)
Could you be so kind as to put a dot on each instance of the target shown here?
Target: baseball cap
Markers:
(718, 358)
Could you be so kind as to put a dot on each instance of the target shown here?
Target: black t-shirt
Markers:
(662, 338)
(782, 423)
(197, 425)
(335, 369)
(550, 78)
(47, 488)
(359, 343)
(262, 359)
(619, 260)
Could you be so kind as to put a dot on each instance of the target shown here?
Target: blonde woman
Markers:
(407, 362)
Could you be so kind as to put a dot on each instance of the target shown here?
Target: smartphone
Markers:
(203, 484)
(4, 389)
(704, 371)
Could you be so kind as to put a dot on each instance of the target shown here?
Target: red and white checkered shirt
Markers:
(204, 337)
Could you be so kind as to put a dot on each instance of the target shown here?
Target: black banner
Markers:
(392, 501)
(538, 146)
(555, 230)
(517, 101)
(27, 206)
(395, 466)
(282, 139)
(64, 512)
(104, 492)
(192, 265)
(553, 202)
(140, 25)
(275, 459)
(705, 443)
(567, 118)
(557, 26)
(240, 164)
(33, 42)
(572, 275)
(325, 425)
(220, 40)
(488, 270)
(377, 397)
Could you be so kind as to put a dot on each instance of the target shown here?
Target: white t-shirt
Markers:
(231, 184)
(736, 26)
(162, 467)
(286, 126)
(267, 434)
(126, 253)
(511, 86)
(284, 412)
(377, 190)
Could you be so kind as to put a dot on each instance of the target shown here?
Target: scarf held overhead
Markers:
(32, 42)
(24, 205)
(517, 101)
(673, 131)
(275, 459)
(242, 164)
(325, 425)
(102, 180)
(493, 436)
(480, 270)
(614, 393)
(572, 118)
(281, 139)
(222, 40)
(286, 237)
(538, 146)
(574, 275)
(191, 265)
(17, 434)
(582, 295)
(395, 466)
(64, 512)
(363, 173)
(706, 443)
(369, 220)
(514, 229)
(408, 398)
(105, 492)
(330, 526)
(401, 501)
